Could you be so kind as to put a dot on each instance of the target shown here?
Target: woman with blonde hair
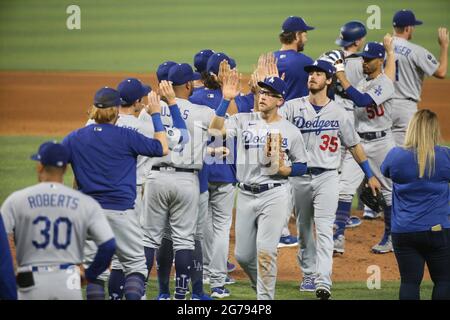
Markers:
(420, 171)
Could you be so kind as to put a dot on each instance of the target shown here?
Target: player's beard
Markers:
(300, 46)
(317, 89)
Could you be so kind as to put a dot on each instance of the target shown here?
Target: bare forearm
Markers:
(389, 68)
(217, 126)
(161, 137)
(441, 72)
(358, 153)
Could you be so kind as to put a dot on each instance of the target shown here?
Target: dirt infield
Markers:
(53, 104)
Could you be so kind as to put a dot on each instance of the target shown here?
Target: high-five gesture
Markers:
(154, 105)
(166, 91)
(443, 37)
(230, 85)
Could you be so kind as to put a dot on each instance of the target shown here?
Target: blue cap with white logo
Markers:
(274, 84)
(53, 154)
(107, 97)
(214, 62)
(182, 73)
(132, 89)
(163, 70)
(373, 50)
(293, 24)
(201, 59)
(321, 65)
(404, 18)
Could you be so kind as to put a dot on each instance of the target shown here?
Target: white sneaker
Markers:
(339, 244)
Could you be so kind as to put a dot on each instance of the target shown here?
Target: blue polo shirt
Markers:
(291, 63)
(103, 159)
(418, 204)
(8, 289)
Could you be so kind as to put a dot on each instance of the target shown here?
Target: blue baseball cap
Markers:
(182, 73)
(132, 89)
(350, 32)
(201, 59)
(107, 97)
(293, 24)
(404, 18)
(214, 62)
(321, 65)
(163, 70)
(53, 154)
(373, 50)
(274, 84)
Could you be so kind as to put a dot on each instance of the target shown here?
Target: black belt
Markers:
(372, 135)
(316, 171)
(258, 188)
(174, 169)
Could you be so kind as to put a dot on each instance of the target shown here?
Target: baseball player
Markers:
(172, 188)
(325, 126)
(103, 158)
(262, 193)
(413, 63)
(221, 181)
(290, 60)
(8, 290)
(200, 63)
(50, 223)
(351, 39)
(373, 116)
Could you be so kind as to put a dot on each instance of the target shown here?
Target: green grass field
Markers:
(138, 35)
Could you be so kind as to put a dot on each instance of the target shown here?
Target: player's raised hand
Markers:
(388, 43)
(230, 85)
(443, 37)
(271, 66)
(154, 105)
(166, 91)
(224, 69)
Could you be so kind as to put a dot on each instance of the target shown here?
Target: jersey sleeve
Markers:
(285, 111)
(426, 61)
(141, 145)
(298, 151)
(347, 132)
(382, 90)
(99, 229)
(8, 214)
(232, 125)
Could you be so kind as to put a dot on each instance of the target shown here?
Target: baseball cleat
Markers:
(163, 296)
(220, 292)
(288, 241)
(206, 280)
(339, 244)
(202, 296)
(323, 293)
(353, 222)
(229, 280)
(385, 245)
(369, 214)
(307, 285)
(230, 267)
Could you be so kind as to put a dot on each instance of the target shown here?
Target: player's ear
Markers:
(280, 102)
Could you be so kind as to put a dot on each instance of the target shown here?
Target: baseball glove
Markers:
(376, 203)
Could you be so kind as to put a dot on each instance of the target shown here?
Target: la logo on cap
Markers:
(366, 47)
(315, 63)
(271, 80)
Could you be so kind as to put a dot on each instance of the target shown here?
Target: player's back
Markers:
(187, 155)
(50, 223)
(291, 63)
(412, 64)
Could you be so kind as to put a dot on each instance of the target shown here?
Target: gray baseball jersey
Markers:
(189, 155)
(251, 132)
(413, 63)
(323, 131)
(51, 223)
(375, 118)
(354, 73)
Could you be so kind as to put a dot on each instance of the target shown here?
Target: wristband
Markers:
(366, 169)
(222, 109)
